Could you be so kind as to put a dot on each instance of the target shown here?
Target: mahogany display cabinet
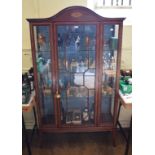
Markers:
(76, 59)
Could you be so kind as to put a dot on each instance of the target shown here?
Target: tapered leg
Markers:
(35, 117)
(40, 139)
(26, 136)
(128, 138)
(114, 137)
(115, 125)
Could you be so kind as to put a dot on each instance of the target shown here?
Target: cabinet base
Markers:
(75, 129)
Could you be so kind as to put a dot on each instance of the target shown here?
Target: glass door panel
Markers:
(77, 71)
(109, 60)
(44, 73)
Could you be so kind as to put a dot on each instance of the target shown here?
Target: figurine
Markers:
(85, 115)
(87, 41)
(77, 43)
(60, 41)
(43, 46)
(92, 112)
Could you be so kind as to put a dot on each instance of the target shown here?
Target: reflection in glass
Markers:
(90, 78)
(78, 79)
(76, 54)
(109, 70)
(43, 60)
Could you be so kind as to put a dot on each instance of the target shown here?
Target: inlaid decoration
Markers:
(76, 14)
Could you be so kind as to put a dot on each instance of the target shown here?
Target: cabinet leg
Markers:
(35, 117)
(40, 139)
(115, 126)
(26, 136)
(128, 138)
(114, 137)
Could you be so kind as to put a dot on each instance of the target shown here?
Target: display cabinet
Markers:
(76, 59)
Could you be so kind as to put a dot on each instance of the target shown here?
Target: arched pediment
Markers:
(75, 13)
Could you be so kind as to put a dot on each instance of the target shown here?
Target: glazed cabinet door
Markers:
(108, 70)
(44, 81)
(76, 73)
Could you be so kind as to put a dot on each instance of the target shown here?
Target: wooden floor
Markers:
(77, 144)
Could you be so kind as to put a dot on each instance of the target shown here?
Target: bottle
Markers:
(26, 91)
(31, 78)
(26, 81)
(62, 112)
(113, 64)
(92, 112)
(23, 92)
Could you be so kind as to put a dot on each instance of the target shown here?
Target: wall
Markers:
(126, 60)
(47, 8)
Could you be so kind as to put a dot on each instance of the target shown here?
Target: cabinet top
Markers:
(75, 14)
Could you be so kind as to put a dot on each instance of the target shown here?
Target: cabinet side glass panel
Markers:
(109, 60)
(44, 73)
(77, 70)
